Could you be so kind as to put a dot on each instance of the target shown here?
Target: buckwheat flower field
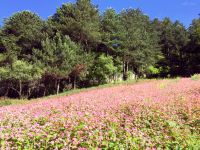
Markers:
(157, 114)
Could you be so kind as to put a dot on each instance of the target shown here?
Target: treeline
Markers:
(79, 47)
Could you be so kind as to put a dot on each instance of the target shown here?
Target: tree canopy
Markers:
(79, 47)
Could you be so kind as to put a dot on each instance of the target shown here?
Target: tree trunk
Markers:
(29, 92)
(44, 94)
(20, 89)
(74, 83)
(6, 94)
(181, 67)
(58, 87)
(127, 66)
(125, 70)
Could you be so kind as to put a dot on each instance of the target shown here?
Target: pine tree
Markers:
(59, 57)
(173, 40)
(110, 25)
(22, 32)
(80, 21)
(139, 45)
(193, 51)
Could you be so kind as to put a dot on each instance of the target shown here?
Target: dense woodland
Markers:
(79, 47)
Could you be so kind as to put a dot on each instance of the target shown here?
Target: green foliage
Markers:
(103, 69)
(22, 32)
(130, 75)
(4, 73)
(195, 77)
(46, 57)
(138, 46)
(5, 103)
(110, 26)
(8, 102)
(80, 21)
(153, 70)
(20, 70)
(58, 56)
(25, 72)
(61, 59)
(193, 53)
(17, 75)
(174, 39)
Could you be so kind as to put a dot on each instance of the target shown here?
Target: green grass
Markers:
(195, 77)
(7, 102)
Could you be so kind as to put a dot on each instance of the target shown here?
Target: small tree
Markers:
(103, 69)
(19, 74)
(60, 58)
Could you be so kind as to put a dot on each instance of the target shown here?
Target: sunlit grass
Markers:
(6, 102)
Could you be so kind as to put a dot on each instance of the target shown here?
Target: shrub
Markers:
(195, 77)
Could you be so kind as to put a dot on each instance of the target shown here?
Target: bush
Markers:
(103, 69)
(153, 71)
(195, 77)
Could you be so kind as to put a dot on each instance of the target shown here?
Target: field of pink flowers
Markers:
(158, 114)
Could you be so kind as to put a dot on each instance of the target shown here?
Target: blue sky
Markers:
(183, 10)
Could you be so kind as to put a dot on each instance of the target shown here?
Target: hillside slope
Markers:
(154, 114)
